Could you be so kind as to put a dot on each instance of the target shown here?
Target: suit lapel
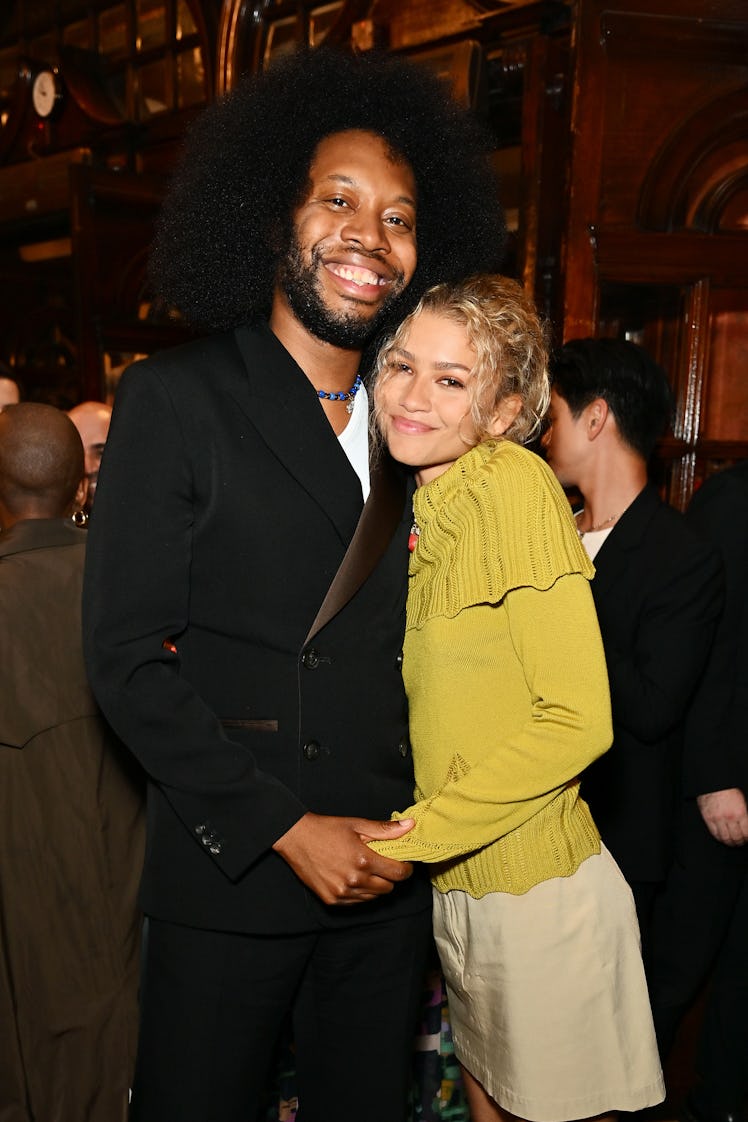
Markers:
(381, 515)
(612, 559)
(282, 405)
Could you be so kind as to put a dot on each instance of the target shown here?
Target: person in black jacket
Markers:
(657, 588)
(701, 922)
(246, 585)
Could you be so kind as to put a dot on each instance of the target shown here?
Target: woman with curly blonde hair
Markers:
(508, 693)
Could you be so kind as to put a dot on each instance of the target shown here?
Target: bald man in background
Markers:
(91, 418)
(71, 817)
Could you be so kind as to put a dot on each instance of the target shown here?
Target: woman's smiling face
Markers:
(424, 398)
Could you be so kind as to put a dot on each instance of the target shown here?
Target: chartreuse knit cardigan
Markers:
(506, 679)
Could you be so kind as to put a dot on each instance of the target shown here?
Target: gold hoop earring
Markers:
(79, 518)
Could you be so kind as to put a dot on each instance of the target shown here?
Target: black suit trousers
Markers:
(722, 1059)
(701, 931)
(214, 1004)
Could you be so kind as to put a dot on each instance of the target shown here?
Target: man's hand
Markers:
(725, 815)
(330, 855)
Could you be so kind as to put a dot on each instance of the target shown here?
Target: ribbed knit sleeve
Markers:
(497, 519)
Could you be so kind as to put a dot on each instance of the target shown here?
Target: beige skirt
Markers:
(547, 995)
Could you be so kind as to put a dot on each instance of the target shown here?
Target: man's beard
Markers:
(350, 330)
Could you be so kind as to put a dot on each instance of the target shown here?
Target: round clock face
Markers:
(45, 92)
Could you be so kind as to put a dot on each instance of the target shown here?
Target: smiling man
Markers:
(357, 224)
(246, 586)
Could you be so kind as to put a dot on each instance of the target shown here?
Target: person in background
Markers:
(505, 676)
(658, 592)
(701, 922)
(246, 579)
(10, 393)
(92, 418)
(71, 806)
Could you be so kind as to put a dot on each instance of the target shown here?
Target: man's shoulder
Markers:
(660, 521)
(667, 520)
(671, 533)
(196, 358)
(39, 535)
(197, 374)
(658, 543)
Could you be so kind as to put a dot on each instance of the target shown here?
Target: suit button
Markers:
(311, 658)
(200, 830)
(399, 661)
(404, 747)
(215, 848)
(311, 750)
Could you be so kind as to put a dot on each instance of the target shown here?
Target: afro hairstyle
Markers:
(228, 216)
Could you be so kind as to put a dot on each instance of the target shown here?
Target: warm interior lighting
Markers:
(45, 251)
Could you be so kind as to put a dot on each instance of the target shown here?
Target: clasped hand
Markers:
(330, 855)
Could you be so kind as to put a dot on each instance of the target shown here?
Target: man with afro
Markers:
(246, 580)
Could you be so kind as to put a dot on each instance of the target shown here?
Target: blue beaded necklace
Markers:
(347, 397)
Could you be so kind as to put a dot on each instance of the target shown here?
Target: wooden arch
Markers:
(700, 171)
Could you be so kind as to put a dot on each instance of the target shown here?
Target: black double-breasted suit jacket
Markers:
(658, 592)
(243, 622)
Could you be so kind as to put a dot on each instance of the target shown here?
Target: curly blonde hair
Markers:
(509, 339)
